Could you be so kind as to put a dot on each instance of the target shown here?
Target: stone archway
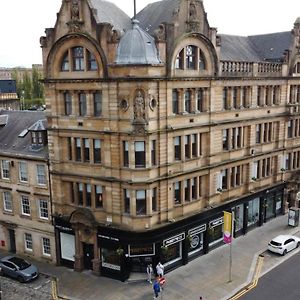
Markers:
(85, 227)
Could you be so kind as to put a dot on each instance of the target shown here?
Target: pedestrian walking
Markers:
(149, 273)
(156, 288)
(160, 269)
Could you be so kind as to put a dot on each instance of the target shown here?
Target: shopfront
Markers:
(171, 250)
(196, 240)
(215, 229)
(66, 243)
(140, 256)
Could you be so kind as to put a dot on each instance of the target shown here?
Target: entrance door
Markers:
(12, 240)
(88, 253)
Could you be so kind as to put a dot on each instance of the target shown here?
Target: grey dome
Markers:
(137, 47)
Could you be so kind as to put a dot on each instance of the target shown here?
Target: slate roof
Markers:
(156, 13)
(108, 12)
(8, 86)
(255, 48)
(17, 123)
(137, 47)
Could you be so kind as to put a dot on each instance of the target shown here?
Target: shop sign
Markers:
(67, 229)
(108, 237)
(197, 230)
(141, 250)
(195, 241)
(111, 266)
(216, 222)
(173, 240)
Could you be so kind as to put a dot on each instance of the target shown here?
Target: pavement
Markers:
(207, 276)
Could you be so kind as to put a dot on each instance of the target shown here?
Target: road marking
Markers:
(254, 282)
(54, 290)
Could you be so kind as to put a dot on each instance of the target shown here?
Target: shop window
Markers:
(141, 203)
(239, 217)
(195, 243)
(173, 254)
(110, 259)
(68, 103)
(140, 155)
(253, 212)
(216, 232)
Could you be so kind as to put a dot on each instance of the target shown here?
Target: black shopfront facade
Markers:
(175, 244)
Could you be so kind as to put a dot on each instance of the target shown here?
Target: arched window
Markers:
(179, 60)
(78, 59)
(202, 62)
(190, 57)
(65, 62)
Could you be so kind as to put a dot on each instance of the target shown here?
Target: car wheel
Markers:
(284, 252)
(298, 244)
(21, 279)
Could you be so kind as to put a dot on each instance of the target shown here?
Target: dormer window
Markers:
(190, 58)
(78, 59)
(65, 62)
(37, 138)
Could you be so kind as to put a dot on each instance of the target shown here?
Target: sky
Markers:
(23, 22)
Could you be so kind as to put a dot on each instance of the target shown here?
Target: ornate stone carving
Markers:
(139, 106)
(75, 24)
(75, 10)
(160, 33)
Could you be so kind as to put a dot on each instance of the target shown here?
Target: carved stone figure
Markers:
(75, 10)
(139, 106)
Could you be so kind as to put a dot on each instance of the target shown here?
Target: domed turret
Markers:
(137, 47)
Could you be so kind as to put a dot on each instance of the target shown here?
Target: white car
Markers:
(282, 244)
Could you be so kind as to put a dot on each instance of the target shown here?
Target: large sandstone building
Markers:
(159, 124)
